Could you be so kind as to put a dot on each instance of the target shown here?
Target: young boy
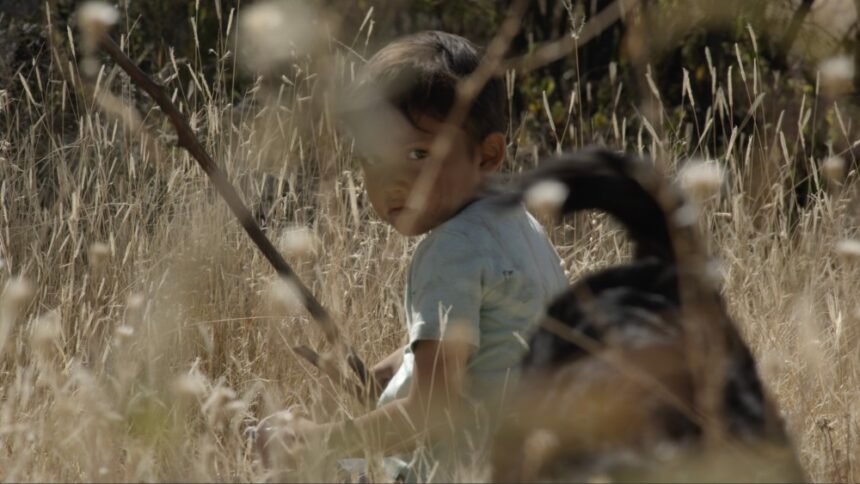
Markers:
(480, 279)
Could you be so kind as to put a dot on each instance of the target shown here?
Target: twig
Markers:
(794, 26)
(188, 141)
(557, 49)
(324, 365)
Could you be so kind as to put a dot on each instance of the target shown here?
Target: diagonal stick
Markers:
(188, 141)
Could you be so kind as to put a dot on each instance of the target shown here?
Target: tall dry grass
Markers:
(139, 331)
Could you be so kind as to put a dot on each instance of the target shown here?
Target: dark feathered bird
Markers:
(638, 372)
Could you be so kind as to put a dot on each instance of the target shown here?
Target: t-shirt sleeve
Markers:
(445, 291)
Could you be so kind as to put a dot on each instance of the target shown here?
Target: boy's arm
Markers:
(386, 368)
(434, 397)
(447, 274)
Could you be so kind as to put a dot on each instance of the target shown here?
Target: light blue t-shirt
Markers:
(484, 276)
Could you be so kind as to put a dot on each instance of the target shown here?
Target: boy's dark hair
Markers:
(418, 75)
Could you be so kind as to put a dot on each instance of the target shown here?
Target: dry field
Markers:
(141, 333)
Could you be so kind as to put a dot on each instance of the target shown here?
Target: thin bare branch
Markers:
(188, 140)
(557, 49)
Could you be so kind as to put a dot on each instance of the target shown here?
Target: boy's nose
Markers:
(400, 179)
(396, 194)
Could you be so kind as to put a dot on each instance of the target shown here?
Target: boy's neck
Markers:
(465, 205)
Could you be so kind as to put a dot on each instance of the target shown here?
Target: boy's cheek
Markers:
(375, 195)
(370, 180)
(375, 202)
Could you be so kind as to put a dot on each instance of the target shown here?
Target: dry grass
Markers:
(138, 336)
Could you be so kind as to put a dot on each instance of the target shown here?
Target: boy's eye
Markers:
(418, 154)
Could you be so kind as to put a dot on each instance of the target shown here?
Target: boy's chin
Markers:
(410, 227)
(409, 231)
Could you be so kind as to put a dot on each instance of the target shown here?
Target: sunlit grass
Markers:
(137, 330)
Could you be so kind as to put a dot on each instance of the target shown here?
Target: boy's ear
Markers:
(492, 151)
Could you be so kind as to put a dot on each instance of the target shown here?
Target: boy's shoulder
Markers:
(483, 217)
(476, 225)
(486, 229)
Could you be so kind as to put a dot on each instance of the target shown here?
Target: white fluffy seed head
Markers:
(99, 253)
(539, 445)
(715, 273)
(833, 169)
(285, 296)
(92, 15)
(773, 364)
(16, 295)
(124, 332)
(849, 250)
(685, 215)
(135, 304)
(837, 74)
(219, 397)
(297, 241)
(135, 301)
(546, 197)
(701, 180)
(190, 385)
(47, 332)
(235, 407)
(94, 20)
(286, 418)
(217, 408)
(274, 32)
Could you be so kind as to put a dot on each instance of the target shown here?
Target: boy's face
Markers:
(401, 156)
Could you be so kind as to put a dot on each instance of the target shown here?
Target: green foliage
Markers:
(713, 41)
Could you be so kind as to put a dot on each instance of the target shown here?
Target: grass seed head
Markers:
(99, 253)
(833, 169)
(715, 273)
(92, 15)
(773, 364)
(47, 332)
(546, 197)
(219, 397)
(190, 385)
(284, 296)
(217, 408)
(538, 448)
(94, 21)
(272, 33)
(701, 180)
(16, 296)
(848, 250)
(685, 215)
(13, 300)
(135, 302)
(297, 242)
(837, 75)
(124, 331)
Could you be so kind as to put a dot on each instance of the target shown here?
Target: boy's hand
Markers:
(440, 367)
(282, 435)
(385, 369)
